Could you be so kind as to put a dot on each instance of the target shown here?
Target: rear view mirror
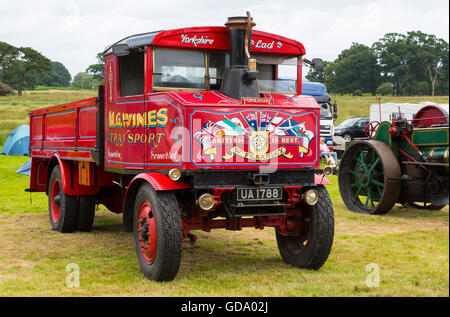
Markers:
(317, 63)
(121, 49)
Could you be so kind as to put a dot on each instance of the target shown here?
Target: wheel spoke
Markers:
(358, 191)
(367, 200)
(371, 198)
(378, 183)
(353, 172)
(374, 164)
(380, 192)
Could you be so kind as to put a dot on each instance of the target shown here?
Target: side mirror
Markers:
(335, 115)
(121, 50)
(317, 63)
(335, 110)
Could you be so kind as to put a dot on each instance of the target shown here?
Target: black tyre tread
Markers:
(325, 232)
(86, 213)
(68, 207)
(173, 234)
(168, 216)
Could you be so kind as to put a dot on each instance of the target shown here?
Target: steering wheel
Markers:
(371, 129)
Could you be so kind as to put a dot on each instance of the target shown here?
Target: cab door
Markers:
(125, 119)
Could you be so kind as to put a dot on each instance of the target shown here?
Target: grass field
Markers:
(410, 247)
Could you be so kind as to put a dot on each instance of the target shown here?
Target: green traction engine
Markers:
(404, 161)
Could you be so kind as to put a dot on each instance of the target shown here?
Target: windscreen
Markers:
(277, 74)
(187, 69)
(325, 111)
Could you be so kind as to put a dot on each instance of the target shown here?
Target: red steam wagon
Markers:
(194, 129)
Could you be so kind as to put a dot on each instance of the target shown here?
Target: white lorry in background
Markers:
(328, 111)
(389, 111)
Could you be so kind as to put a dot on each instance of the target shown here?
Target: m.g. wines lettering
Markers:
(150, 119)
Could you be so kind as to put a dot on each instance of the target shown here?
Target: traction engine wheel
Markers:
(310, 248)
(426, 206)
(369, 177)
(157, 233)
(62, 208)
(371, 129)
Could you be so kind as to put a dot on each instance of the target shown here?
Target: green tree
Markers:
(97, 70)
(57, 76)
(84, 81)
(385, 89)
(324, 76)
(443, 87)
(28, 63)
(63, 74)
(8, 54)
(356, 68)
(318, 75)
(12, 76)
(409, 60)
(392, 51)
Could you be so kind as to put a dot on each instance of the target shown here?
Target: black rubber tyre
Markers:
(312, 253)
(86, 213)
(62, 208)
(160, 230)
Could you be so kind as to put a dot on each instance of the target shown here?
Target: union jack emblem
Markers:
(250, 116)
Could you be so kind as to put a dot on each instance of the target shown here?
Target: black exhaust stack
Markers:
(238, 80)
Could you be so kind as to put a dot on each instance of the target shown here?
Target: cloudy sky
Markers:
(72, 32)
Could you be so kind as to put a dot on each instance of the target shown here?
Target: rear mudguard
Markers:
(69, 175)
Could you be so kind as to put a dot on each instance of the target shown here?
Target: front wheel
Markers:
(310, 248)
(157, 233)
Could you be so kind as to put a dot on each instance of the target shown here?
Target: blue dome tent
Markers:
(25, 169)
(18, 142)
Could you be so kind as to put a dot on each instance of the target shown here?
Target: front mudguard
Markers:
(158, 181)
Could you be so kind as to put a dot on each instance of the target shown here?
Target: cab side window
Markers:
(131, 74)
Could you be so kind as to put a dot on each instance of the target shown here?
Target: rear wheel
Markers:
(311, 247)
(369, 174)
(86, 213)
(157, 233)
(62, 208)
